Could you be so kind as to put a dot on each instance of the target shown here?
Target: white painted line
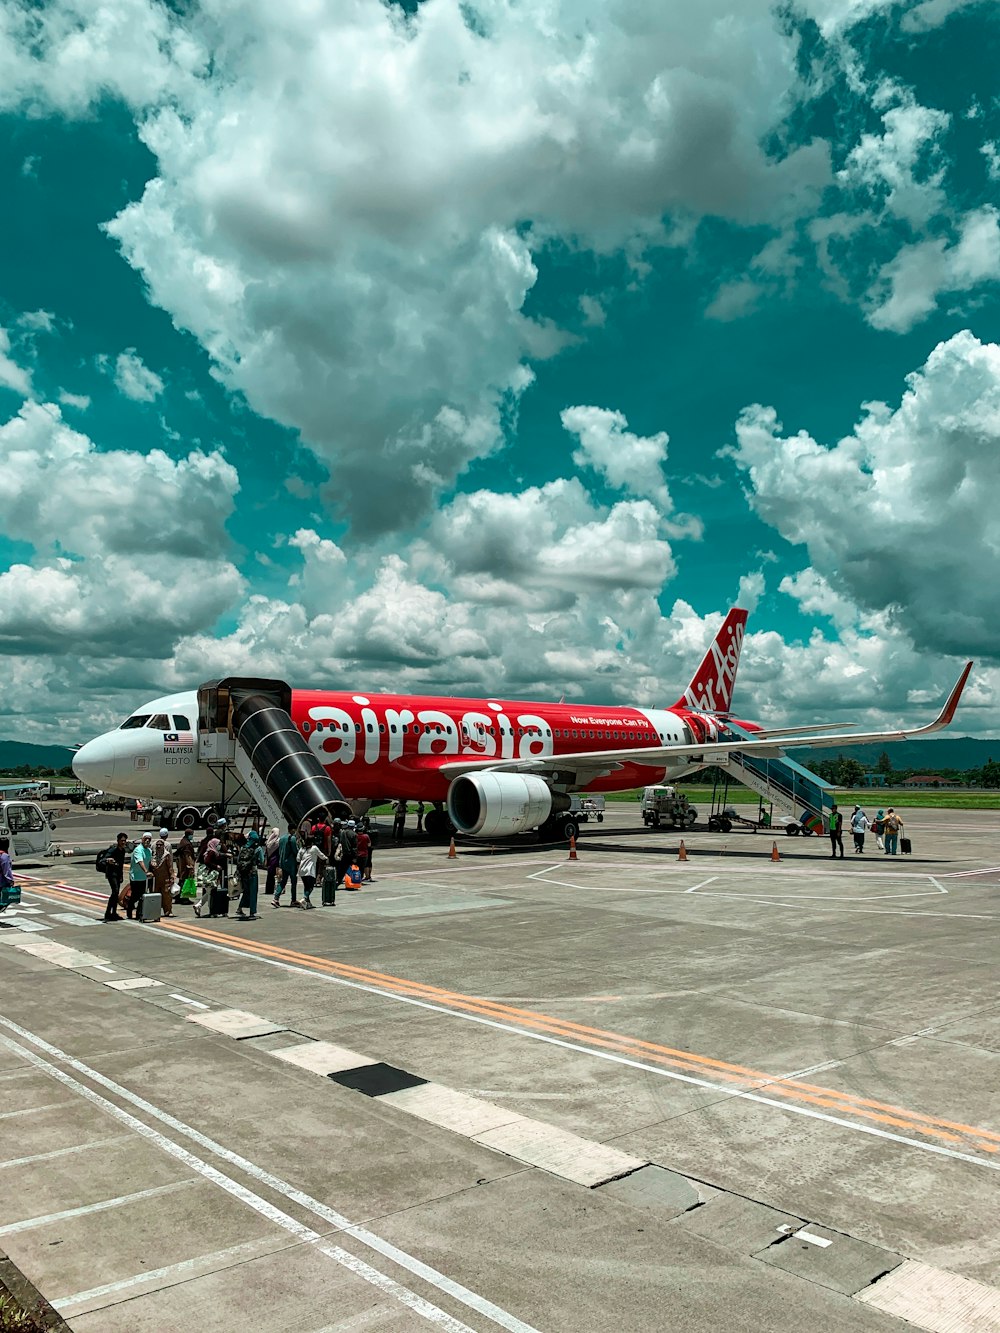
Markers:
(695, 887)
(452, 1110)
(814, 1069)
(214, 1261)
(184, 999)
(932, 1299)
(60, 954)
(812, 1238)
(361, 1234)
(135, 983)
(30, 1223)
(322, 1057)
(103, 967)
(396, 898)
(560, 1152)
(788, 1107)
(30, 1110)
(30, 926)
(58, 1152)
(235, 1023)
(74, 919)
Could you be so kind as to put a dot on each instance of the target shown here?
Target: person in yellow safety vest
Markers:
(352, 880)
(836, 827)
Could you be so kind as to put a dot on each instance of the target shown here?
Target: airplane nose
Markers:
(94, 763)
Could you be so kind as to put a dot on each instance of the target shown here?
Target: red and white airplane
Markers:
(491, 766)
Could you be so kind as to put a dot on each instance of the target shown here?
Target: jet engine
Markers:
(491, 805)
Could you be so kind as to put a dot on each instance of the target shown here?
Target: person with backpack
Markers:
(249, 859)
(878, 828)
(288, 865)
(893, 828)
(348, 846)
(111, 864)
(836, 829)
(322, 833)
(859, 822)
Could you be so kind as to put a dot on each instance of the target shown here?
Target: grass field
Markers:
(961, 798)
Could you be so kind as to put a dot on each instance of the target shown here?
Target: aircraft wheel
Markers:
(569, 828)
(437, 824)
(792, 830)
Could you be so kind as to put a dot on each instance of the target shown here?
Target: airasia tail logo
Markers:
(712, 688)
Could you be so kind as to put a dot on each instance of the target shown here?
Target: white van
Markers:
(29, 831)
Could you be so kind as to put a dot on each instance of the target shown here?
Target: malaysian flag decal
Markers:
(178, 738)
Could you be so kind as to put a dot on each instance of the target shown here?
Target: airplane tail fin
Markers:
(711, 688)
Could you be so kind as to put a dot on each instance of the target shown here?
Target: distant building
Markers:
(873, 780)
(930, 780)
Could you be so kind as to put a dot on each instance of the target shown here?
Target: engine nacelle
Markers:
(492, 805)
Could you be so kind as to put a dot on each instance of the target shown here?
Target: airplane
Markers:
(488, 767)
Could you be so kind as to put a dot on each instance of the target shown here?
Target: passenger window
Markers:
(159, 723)
(138, 721)
(319, 726)
(357, 726)
(181, 723)
(306, 727)
(370, 727)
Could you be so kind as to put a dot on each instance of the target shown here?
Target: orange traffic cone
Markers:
(572, 850)
(451, 851)
(682, 852)
(775, 854)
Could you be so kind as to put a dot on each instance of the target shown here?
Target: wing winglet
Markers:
(946, 714)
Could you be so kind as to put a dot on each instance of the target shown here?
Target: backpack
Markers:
(246, 859)
(106, 862)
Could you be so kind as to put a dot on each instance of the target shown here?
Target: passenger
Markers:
(310, 863)
(420, 816)
(184, 862)
(893, 828)
(398, 821)
(163, 874)
(859, 822)
(249, 860)
(352, 880)
(365, 852)
(138, 874)
(288, 858)
(213, 876)
(836, 827)
(322, 833)
(111, 863)
(878, 828)
(7, 867)
(348, 846)
(271, 859)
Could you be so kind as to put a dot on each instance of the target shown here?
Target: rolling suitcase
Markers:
(149, 908)
(218, 902)
(905, 846)
(329, 888)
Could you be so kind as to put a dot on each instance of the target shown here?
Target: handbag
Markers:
(125, 895)
(189, 889)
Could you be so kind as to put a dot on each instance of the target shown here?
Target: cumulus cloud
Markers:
(350, 201)
(901, 170)
(134, 378)
(12, 376)
(130, 548)
(899, 516)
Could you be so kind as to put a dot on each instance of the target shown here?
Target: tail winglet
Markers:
(711, 688)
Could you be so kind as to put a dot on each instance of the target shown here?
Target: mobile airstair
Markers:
(245, 730)
(781, 782)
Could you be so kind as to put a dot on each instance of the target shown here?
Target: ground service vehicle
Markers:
(30, 832)
(667, 806)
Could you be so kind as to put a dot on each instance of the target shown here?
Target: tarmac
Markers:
(516, 1090)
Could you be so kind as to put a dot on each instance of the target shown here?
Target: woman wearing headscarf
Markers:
(271, 859)
(249, 860)
(878, 828)
(139, 867)
(212, 880)
(163, 874)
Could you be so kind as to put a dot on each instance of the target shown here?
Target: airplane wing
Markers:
(585, 765)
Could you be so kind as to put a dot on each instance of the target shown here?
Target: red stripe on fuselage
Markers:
(389, 744)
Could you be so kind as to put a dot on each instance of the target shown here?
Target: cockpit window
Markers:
(131, 723)
(159, 723)
(181, 723)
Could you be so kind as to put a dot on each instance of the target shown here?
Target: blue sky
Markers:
(499, 349)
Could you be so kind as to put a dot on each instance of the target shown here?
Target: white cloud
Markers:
(911, 285)
(12, 376)
(734, 299)
(80, 401)
(340, 209)
(134, 378)
(130, 548)
(902, 169)
(991, 152)
(900, 516)
(38, 321)
(627, 462)
(932, 13)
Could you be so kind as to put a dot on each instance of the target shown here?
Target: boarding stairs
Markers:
(780, 781)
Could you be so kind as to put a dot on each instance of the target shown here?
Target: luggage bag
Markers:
(150, 907)
(329, 888)
(218, 902)
(905, 846)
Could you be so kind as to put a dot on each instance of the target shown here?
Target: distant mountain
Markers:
(960, 752)
(15, 753)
